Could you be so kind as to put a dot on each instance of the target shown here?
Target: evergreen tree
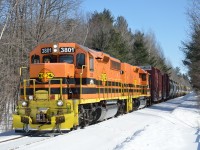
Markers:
(192, 48)
(100, 25)
(139, 51)
(117, 46)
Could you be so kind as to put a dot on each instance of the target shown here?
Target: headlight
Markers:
(24, 103)
(55, 46)
(91, 81)
(30, 97)
(60, 103)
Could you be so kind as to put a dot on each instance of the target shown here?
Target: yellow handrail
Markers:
(20, 70)
(24, 82)
(99, 86)
(25, 89)
(81, 75)
(49, 89)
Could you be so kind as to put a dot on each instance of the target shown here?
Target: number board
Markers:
(67, 49)
(46, 50)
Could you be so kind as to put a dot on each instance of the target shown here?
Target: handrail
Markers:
(20, 70)
(24, 89)
(49, 89)
(81, 75)
(99, 86)
(107, 89)
(24, 82)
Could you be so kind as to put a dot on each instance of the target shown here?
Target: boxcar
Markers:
(155, 83)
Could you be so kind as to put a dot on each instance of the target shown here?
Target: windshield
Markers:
(67, 58)
(35, 59)
(49, 59)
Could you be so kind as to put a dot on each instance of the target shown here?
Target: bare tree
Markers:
(26, 24)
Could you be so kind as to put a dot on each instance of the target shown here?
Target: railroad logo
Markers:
(135, 82)
(103, 77)
(45, 75)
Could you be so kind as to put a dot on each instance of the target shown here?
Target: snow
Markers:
(8, 135)
(171, 125)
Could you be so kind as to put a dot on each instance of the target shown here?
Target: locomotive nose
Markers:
(47, 71)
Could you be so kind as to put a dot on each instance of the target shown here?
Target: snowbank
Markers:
(172, 125)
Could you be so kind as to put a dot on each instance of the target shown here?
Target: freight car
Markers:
(156, 83)
(162, 87)
(71, 85)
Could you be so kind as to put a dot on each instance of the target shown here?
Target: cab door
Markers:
(80, 71)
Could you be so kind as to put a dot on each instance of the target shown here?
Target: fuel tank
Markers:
(107, 112)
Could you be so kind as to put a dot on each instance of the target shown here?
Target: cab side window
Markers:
(35, 59)
(143, 76)
(80, 60)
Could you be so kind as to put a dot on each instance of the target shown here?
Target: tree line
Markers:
(26, 23)
(191, 47)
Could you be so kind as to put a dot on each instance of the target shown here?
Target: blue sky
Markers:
(167, 19)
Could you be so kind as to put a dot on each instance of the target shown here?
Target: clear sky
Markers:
(167, 19)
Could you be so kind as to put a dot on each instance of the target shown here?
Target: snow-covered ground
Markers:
(171, 125)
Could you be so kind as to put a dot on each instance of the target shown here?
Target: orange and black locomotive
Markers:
(71, 85)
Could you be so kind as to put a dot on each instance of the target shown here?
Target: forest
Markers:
(191, 47)
(26, 23)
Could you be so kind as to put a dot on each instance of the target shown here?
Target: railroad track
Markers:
(24, 140)
(6, 140)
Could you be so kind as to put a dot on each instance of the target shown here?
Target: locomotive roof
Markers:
(97, 54)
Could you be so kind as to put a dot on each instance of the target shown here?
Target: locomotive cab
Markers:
(45, 98)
